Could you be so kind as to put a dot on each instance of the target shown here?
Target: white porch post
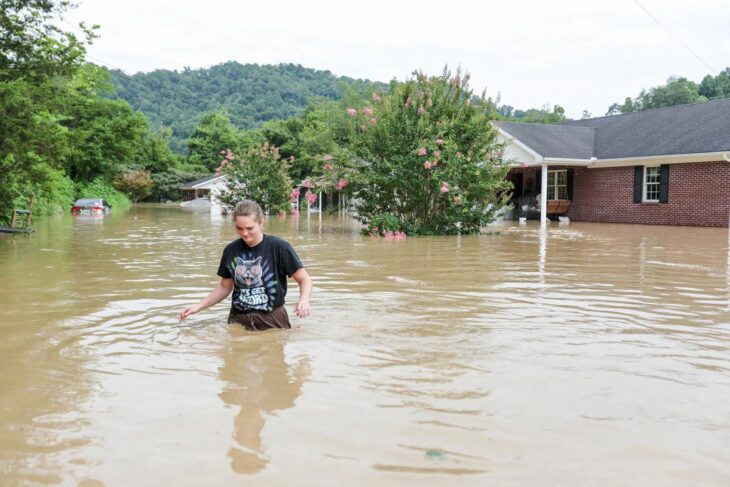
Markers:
(543, 195)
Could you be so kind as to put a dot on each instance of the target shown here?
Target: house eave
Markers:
(663, 159)
(631, 161)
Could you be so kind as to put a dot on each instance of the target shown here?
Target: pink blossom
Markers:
(427, 165)
(400, 235)
(311, 198)
(373, 121)
(295, 194)
(408, 102)
(422, 151)
(307, 183)
(327, 157)
(328, 167)
(439, 141)
(376, 97)
(351, 112)
(342, 184)
(388, 235)
(222, 152)
(437, 154)
(523, 164)
(421, 111)
(444, 187)
(367, 111)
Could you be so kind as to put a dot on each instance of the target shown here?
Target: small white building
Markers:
(205, 190)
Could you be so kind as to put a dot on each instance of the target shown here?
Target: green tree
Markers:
(428, 156)
(32, 46)
(213, 133)
(260, 175)
(717, 86)
(677, 91)
(153, 152)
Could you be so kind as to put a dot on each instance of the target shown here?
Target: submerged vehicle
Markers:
(90, 206)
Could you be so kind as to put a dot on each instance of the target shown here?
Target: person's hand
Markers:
(302, 309)
(190, 310)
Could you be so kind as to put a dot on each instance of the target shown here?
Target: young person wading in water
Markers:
(255, 267)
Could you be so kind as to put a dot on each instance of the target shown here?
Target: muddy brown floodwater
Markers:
(587, 354)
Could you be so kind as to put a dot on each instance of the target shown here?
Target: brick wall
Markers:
(699, 195)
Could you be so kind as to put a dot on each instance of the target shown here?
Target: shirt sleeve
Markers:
(290, 261)
(223, 270)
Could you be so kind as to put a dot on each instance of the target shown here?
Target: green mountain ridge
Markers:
(251, 94)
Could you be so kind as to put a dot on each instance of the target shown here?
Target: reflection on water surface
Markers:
(583, 354)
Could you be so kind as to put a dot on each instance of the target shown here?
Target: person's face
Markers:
(249, 229)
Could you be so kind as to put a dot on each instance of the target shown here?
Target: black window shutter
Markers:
(570, 184)
(538, 180)
(638, 183)
(663, 183)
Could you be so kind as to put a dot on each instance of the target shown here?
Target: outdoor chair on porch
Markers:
(555, 207)
(558, 207)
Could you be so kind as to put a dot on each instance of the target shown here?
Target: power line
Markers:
(675, 37)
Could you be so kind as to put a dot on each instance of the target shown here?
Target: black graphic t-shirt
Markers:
(259, 273)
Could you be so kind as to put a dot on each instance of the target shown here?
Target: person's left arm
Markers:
(305, 290)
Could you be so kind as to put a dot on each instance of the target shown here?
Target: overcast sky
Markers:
(583, 55)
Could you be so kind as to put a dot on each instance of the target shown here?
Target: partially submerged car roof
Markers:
(89, 201)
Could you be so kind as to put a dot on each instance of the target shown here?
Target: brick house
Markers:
(669, 166)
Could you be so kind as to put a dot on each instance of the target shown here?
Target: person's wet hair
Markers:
(248, 208)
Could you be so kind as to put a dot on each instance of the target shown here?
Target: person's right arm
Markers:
(216, 296)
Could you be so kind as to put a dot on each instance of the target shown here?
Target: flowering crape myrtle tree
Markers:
(259, 175)
(428, 157)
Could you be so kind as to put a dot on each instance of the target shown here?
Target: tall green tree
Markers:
(213, 134)
(33, 46)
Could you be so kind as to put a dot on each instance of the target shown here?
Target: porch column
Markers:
(543, 195)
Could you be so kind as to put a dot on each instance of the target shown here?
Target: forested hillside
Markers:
(249, 93)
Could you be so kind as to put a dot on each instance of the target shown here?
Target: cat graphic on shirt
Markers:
(248, 273)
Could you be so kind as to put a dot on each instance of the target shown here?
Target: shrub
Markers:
(135, 184)
(428, 156)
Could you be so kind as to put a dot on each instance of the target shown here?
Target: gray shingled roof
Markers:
(685, 129)
(553, 140)
(192, 184)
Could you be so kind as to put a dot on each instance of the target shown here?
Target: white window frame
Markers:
(554, 189)
(645, 185)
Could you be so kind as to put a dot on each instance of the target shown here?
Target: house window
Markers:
(557, 185)
(651, 184)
